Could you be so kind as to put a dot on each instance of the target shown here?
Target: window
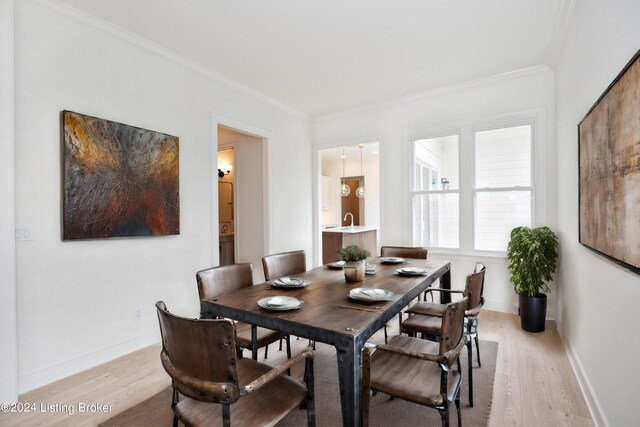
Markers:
(435, 192)
(471, 187)
(503, 190)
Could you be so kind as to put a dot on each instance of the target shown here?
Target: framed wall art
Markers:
(118, 180)
(609, 169)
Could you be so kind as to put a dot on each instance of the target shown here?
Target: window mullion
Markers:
(466, 185)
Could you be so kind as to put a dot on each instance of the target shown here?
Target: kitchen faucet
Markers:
(345, 217)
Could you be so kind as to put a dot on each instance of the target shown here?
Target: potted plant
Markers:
(532, 254)
(354, 258)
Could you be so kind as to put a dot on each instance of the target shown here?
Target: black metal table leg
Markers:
(349, 360)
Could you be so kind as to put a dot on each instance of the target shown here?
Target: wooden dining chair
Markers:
(417, 370)
(229, 278)
(425, 318)
(285, 264)
(404, 252)
(211, 386)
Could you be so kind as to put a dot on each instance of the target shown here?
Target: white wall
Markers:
(76, 299)
(491, 101)
(598, 299)
(8, 315)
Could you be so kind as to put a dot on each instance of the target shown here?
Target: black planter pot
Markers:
(533, 312)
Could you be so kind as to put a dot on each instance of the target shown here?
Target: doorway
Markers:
(356, 165)
(241, 198)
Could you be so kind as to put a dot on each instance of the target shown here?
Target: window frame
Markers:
(413, 192)
(475, 190)
(541, 142)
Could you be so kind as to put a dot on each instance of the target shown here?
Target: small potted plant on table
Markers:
(354, 258)
(532, 254)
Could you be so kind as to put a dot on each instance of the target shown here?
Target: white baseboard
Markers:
(510, 307)
(501, 306)
(593, 404)
(73, 366)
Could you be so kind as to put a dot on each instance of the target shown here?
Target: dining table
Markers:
(328, 314)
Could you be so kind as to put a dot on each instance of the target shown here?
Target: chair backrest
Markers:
(222, 280)
(452, 324)
(474, 287)
(284, 264)
(200, 354)
(404, 252)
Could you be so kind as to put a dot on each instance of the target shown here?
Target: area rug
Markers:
(156, 411)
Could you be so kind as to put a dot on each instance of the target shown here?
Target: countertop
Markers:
(348, 230)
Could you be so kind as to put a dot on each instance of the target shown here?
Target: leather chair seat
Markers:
(276, 399)
(265, 336)
(423, 324)
(427, 309)
(411, 379)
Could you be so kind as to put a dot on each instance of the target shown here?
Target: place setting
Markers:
(338, 265)
(412, 271)
(290, 282)
(392, 260)
(370, 269)
(280, 303)
(370, 294)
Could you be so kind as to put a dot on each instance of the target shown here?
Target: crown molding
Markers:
(125, 36)
(560, 31)
(499, 78)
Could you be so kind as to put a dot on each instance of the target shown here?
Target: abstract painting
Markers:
(119, 180)
(609, 162)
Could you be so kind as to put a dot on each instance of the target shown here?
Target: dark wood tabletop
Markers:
(330, 316)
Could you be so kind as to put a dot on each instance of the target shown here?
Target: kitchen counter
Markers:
(340, 237)
(354, 229)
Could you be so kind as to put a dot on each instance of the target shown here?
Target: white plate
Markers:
(370, 269)
(391, 260)
(336, 265)
(290, 282)
(370, 294)
(280, 303)
(412, 271)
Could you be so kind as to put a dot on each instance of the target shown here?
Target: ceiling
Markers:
(325, 56)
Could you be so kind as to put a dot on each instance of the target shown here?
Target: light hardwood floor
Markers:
(534, 384)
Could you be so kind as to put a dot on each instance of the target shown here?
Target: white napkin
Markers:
(289, 281)
(373, 292)
(275, 302)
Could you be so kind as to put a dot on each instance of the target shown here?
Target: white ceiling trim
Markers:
(125, 36)
(560, 31)
(526, 72)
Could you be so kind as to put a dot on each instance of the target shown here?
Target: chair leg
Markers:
(444, 416)
(477, 347)
(457, 402)
(470, 369)
(174, 402)
(288, 342)
(266, 351)
(226, 415)
(386, 336)
(254, 342)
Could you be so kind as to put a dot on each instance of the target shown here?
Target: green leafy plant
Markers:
(353, 253)
(532, 254)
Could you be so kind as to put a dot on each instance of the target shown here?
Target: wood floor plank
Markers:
(534, 382)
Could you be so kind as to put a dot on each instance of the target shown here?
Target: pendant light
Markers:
(360, 190)
(345, 190)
